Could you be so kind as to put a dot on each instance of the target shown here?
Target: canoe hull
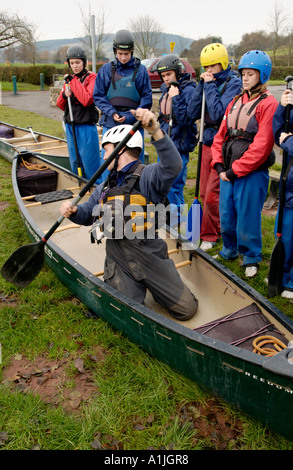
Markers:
(259, 387)
(52, 148)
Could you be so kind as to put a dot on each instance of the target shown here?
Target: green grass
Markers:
(26, 118)
(8, 86)
(138, 402)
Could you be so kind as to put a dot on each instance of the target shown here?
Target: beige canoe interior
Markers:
(33, 142)
(217, 294)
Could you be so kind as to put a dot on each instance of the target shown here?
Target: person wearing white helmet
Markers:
(138, 260)
(78, 88)
(242, 152)
(219, 84)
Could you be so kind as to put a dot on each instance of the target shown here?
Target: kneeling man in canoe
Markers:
(124, 210)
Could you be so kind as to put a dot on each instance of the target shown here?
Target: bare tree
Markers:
(278, 23)
(255, 40)
(13, 30)
(100, 23)
(147, 32)
(289, 43)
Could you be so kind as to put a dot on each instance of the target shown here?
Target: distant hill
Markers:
(164, 44)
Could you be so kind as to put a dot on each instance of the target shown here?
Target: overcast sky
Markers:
(194, 19)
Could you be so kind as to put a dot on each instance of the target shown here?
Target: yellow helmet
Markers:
(214, 53)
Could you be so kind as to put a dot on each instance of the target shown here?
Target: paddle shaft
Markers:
(284, 166)
(74, 135)
(93, 179)
(33, 134)
(200, 143)
(171, 108)
(276, 270)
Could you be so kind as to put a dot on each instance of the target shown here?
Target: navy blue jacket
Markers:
(287, 146)
(102, 85)
(219, 93)
(183, 130)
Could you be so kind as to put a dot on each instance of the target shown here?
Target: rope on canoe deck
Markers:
(261, 341)
(33, 166)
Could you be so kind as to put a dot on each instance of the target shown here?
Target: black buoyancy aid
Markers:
(82, 114)
(122, 93)
(242, 126)
(123, 212)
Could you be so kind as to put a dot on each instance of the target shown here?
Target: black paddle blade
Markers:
(24, 264)
(276, 270)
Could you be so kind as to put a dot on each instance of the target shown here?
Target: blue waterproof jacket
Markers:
(183, 130)
(218, 93)
(287, 146)
(103, 83)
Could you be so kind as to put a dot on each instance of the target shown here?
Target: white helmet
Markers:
(117, 133)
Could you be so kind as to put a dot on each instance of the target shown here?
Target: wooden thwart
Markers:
(53, 148)
(183, 263)
(64, 227)
(178, 265)
(45, 142)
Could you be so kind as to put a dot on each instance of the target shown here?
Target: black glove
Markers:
(68, 78)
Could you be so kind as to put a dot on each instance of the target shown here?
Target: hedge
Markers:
(31, 74)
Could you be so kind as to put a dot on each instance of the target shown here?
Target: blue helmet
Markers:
(258, 60)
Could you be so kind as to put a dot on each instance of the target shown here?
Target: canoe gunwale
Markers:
(27, 131)
(9, 149)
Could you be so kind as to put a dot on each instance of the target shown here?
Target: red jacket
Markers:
(262, 145)
(83, 107)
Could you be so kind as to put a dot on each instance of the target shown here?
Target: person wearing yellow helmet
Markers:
(218, 85)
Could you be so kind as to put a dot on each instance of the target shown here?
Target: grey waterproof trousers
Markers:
(132, 266)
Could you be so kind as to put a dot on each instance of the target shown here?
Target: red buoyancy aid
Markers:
(242, 126)
(240, 122)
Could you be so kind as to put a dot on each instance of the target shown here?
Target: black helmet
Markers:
(123, 40)
(169, 62)
(76, 52)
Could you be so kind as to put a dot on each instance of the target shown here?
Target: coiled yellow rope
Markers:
(33, 166)
(261, 341)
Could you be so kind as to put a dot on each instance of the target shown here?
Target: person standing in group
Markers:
(176, 94)
(219, 84)
(242, 153)
(77, 95)
(121, 85)
(285, 141)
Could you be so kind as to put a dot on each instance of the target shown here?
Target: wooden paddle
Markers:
(27, 261)
(276, 269)
(194, 215)
(79, 170)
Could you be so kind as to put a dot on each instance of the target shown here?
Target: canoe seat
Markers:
(53, 196)
(242, 327)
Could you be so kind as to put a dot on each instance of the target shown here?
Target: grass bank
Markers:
(71, 382)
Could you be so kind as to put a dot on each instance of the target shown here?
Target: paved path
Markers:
(35, 101)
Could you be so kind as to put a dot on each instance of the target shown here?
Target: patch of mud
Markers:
(3, 205)
(66, 382)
